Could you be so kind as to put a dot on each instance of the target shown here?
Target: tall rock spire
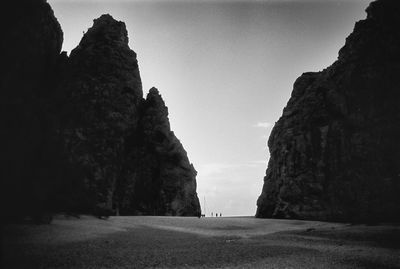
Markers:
(166, 180)
(122, 145)
(103, 91)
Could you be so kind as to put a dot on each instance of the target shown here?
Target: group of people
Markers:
(212, 215)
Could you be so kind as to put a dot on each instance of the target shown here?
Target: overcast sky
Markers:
(225, 70)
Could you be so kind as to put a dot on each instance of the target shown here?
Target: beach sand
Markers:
(187, 242)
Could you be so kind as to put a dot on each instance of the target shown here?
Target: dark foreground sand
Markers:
(172, 242)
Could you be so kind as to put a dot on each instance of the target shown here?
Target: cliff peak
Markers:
(154, 91)
(384, 10)
(106, 29)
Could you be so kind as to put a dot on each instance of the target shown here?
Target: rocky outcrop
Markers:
(335, 153)
(164, 183)
(122, 144)
(80, 136)
(103, 92)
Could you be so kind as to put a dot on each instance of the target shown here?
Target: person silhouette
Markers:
(220, 214)
(211, 214)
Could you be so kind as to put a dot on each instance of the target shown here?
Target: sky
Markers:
(225, 69)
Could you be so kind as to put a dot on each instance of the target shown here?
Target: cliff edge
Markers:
(335, 151)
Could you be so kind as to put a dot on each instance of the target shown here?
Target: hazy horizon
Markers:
(225, 70)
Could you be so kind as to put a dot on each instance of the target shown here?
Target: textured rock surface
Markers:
(164, 183)
(121, 144)
(79, 135)
(103, 91)
(335, 151)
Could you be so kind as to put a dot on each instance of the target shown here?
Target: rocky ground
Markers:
(179, 242)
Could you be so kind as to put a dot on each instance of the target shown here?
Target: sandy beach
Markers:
(177, 242)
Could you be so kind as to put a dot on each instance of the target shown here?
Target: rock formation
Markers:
(30, 47)
(165, 184)
(335, 151)
(80, 130)
(103, 92)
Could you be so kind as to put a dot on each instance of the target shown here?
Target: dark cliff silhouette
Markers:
(78, 135)
(335, 151)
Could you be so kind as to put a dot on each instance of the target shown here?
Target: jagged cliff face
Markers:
(82, 128)
(103, 91)
(335, 153)
(165, 184)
